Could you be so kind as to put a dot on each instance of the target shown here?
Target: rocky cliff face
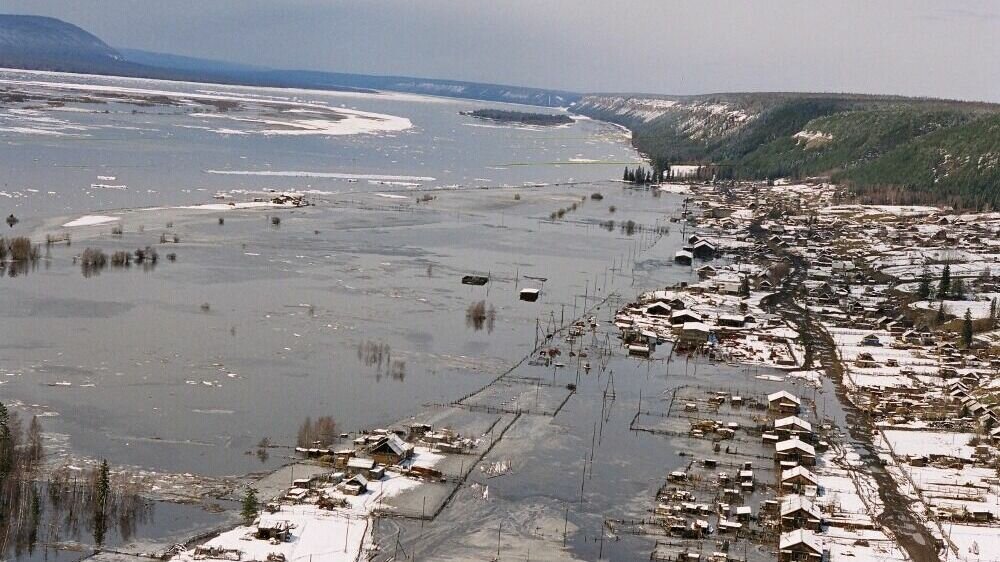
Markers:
(693, 117)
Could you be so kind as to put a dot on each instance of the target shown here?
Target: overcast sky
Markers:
(943, 48)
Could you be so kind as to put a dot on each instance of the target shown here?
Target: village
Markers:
(894, 306)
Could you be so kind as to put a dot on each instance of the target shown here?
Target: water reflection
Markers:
(379, 355)
(480, 315)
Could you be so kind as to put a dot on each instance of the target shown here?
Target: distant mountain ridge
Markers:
(42, 43)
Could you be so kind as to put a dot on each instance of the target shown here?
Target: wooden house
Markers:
(799, 546)
(390, 450)
(797, 478)
(798, 512)
(795, 450)
(784, 402)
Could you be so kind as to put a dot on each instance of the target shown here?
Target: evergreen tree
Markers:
(924, 289)
(944, 287)
(103, 492)
(250, 506)
(993, 312)
(940, 318)
(6, 448)
(625, 174)
(958, 289)
(967, 329)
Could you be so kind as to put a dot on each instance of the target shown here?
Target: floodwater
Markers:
(185, 367)
(352, 307)
(64, 530)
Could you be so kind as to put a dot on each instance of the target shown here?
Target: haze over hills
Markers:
(891, 149)
(42, 43)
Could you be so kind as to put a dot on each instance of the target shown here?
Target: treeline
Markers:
(21, 452)
(641, 176)
(504, 116)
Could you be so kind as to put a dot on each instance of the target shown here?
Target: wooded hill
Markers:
(887, 149)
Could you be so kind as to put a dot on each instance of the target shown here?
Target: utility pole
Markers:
(566, 524)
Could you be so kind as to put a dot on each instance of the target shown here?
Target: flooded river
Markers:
(187, 366)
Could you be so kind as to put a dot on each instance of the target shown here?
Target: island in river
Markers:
(520, 117)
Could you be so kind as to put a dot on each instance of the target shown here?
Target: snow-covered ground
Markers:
(319, 535)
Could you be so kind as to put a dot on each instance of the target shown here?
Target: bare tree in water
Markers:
(323, 431)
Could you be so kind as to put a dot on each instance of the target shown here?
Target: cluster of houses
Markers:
(794, 452)
(712, 317)
(744, 504)
(366, 460)
(891, 286)
(331, 505)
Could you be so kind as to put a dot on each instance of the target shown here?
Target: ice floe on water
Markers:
(90, 220)
(271, 115)
(331, 175)
(336, 122)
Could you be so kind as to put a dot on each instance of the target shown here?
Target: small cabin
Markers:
(703, 249)
(360, 465)
(356, 486)
(270, 527)
(530, 295)
(694, 333)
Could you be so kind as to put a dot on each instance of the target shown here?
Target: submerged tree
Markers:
(6, 443)
(102, 492)
(322, 431)
(102, 497)
(35, 440)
